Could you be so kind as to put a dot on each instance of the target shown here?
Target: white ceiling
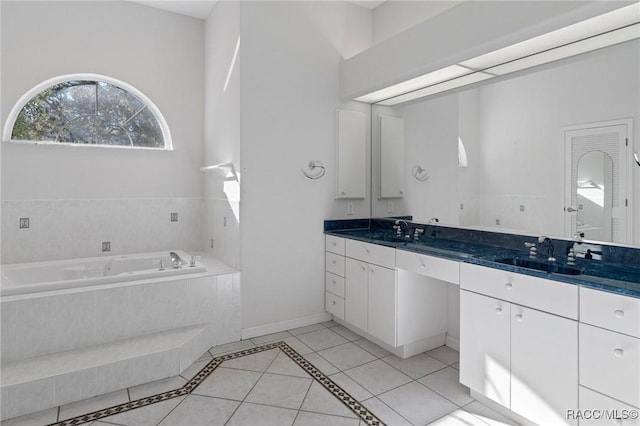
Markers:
(201, 8)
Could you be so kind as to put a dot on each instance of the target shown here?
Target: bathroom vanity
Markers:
(539, 339)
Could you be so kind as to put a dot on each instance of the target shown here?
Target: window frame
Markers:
(37, 89)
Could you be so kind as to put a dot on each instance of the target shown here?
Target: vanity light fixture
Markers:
(611, 28)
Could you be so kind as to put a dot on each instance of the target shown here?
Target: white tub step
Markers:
(70, 376)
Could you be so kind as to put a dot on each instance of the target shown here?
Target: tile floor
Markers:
(268, 388)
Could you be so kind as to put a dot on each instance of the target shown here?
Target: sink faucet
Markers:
(433, 220)
(177, 262)
(398, 228)
(551, 252)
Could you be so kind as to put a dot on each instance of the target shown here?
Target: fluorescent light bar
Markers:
(583, 46)
(600, 24)
(429, 79)
(437, 88)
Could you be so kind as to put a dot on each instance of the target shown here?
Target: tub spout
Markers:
(177, 262)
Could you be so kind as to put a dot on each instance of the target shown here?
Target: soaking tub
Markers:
(78, 328)
(56, 275)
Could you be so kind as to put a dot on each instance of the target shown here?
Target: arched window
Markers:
(87, 110)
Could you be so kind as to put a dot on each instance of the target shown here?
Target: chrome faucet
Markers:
(398, 228)
(433, 220)
(175, 259)
(551, 252)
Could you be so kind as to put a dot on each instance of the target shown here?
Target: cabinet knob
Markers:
(422, 265)
(334, 282)
(333, 261)
(618, 352)
(334, 243)
(499, 310)
(333, 302)
(366, 251)
(519, 317)
(362, 268)
(371, 270)
(618, 313)
(508, 286)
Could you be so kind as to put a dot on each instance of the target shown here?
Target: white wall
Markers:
(222, 132)
(158, 52)
(290, 53)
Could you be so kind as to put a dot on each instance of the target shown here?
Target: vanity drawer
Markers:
(334, 284)
(590, 400)
(371, 253)
(611, 311)
(435, 267)
(334, 305)
(334, 244)
(334, 263)
(610, 363)
(538, 293)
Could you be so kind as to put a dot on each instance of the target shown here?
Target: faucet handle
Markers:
(533, 250)
(192, 262)
(417, 232)
(571, 257)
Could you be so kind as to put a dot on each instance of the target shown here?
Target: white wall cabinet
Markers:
(392, 167)
(522, 358)
(352, 150)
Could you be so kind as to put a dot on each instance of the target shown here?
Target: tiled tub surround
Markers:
(66, 345)
(554, 342)
(73, 228)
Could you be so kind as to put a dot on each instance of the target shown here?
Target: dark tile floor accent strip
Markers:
(362, 412)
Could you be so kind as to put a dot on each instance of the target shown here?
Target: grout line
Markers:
(128, 395)
(383, 403)
(306, 394)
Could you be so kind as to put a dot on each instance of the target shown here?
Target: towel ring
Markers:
(419, 173)
(313, 165)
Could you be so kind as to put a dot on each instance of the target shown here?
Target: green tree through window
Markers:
(91, 112)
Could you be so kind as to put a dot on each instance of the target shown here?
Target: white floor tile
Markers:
(351, 387)
(346, 333)
(255, 362)
(377, 377)
(417, 403)
(488, 415)
(445, 354)
(307, 329)
(346, 356)
(286, 366)
(321, 364)
(320, 400)
(458, 418)
(330, 324)
(254, 414)
(279, 391)
(315, 419)
(228, 383)
(231, 347)
(156, 387)
(322, 339)
(150, 415)
(93, 404)
(446, 382)
(197, 410)
(384, 413)
(372, 348)
(298, 346)
(417, 366)
(270, 338)
(194, 368)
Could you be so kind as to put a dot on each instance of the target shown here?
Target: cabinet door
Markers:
(356, 293)
(544, 366)
(485, 345)
(383, 290)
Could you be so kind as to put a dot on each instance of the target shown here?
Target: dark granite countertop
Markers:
(613, 269)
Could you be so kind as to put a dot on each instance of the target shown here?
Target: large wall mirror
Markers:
(513, 135)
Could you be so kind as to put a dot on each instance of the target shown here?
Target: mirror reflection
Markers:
(497, 156)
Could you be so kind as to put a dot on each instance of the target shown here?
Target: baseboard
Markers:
(261, 330)
(453, 342)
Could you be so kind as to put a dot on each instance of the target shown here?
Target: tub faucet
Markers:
(177, 262)
(551, 252)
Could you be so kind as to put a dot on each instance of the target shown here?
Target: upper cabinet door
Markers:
(391, 156)
(352, 153)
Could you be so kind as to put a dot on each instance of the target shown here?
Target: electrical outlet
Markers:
(390, 207)
(497, 221)
(106, 246)
(174, 217)
(350, 209)
(521, 207)
(212, 243)
(224, 221)
(24, 222)
(461, 206)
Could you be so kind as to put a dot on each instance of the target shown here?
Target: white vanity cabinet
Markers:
(334, 275)
(609, 350)
(523, 357)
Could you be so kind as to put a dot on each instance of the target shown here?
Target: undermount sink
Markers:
(540, 266)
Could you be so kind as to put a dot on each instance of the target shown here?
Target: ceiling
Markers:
(201, 8)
